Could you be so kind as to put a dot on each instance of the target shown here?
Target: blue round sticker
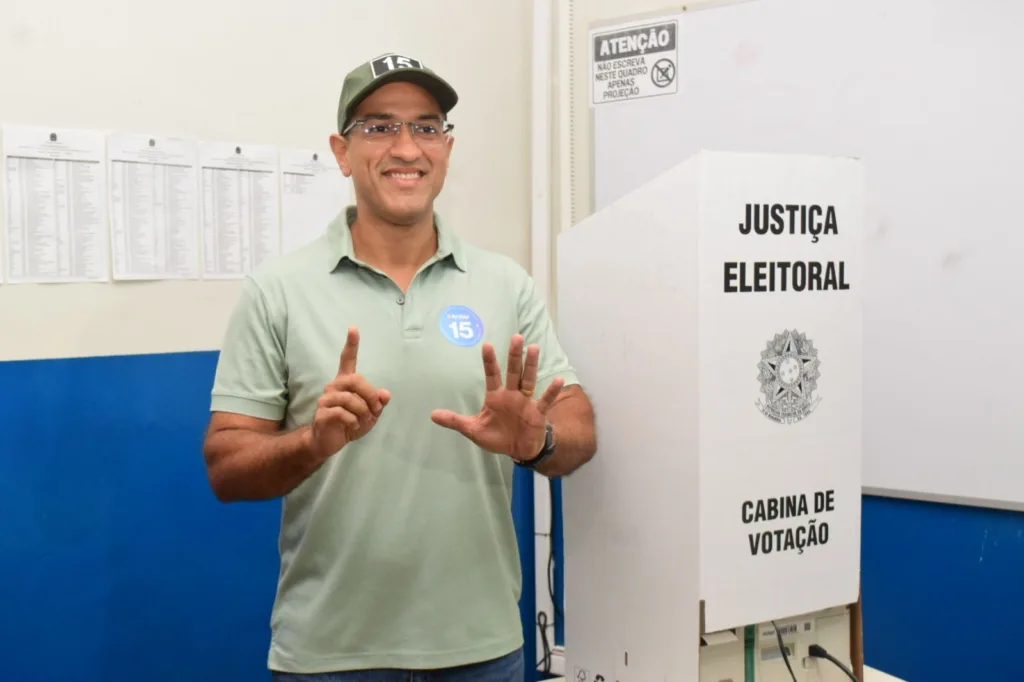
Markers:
(461, 326)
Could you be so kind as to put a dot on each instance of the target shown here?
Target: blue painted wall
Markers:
(117, 564)
(558, 569)
(943, 589)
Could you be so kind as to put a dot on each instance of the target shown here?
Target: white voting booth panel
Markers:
(714, 315)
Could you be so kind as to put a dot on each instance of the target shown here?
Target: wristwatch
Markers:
(545, 452)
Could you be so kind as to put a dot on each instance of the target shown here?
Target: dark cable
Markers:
(542, 617)
(816, 651)
(542, 624)
(782, 650)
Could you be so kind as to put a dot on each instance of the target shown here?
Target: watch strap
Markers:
(545, 452)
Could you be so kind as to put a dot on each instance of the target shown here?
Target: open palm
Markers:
(510, 422)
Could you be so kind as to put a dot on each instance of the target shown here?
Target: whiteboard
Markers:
(930, 94)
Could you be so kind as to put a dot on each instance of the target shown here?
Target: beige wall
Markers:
(252, 71)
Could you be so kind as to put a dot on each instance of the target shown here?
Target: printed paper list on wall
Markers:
(634, 61)
(240, 208)
(79, 204)
(55, 205)
(154, 215)
(314, 192)
(781, 276)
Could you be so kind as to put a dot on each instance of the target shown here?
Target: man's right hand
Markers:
(350, 405)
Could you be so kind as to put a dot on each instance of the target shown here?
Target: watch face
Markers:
(545, 452)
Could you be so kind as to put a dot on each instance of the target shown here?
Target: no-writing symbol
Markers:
(663, 73)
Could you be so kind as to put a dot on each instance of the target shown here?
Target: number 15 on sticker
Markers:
(461, 326)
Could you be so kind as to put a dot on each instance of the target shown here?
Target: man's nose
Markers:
(405, 146)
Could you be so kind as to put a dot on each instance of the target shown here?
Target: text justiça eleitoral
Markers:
(811, 220)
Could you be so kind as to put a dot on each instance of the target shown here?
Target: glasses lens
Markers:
(427, 129)
(378, 129)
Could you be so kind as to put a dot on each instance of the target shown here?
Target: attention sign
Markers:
(634, 62)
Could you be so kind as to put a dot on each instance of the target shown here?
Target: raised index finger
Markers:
(349, 353)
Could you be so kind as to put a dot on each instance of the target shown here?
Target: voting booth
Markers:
(714, 316)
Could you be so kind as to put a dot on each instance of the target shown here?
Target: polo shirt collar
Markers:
(339, 238)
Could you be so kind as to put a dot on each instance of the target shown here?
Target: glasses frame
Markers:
(396, 128)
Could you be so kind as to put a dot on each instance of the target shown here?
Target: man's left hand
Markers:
(511, 422)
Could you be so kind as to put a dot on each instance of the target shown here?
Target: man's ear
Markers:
(451, 143)
(339, 145)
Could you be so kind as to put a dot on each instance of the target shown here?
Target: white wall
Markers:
(575, 192)
(258, 72)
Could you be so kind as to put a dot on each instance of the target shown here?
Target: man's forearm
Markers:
(572, 419)
(252, 465)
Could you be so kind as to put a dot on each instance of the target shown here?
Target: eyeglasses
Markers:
(428, 132)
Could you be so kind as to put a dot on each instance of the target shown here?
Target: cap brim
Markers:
(444, 94)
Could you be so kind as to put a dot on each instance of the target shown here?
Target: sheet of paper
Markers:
(314, 192)
(241, 208)
(55, 205)
(154, 208)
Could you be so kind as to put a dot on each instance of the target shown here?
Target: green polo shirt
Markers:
(400, 552)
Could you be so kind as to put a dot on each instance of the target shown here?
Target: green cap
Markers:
(390, 68)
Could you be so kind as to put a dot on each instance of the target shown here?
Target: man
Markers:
(359, 381)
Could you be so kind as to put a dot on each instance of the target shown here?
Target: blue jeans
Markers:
(508, 668)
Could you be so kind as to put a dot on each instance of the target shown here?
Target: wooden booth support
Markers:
(857, 636)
